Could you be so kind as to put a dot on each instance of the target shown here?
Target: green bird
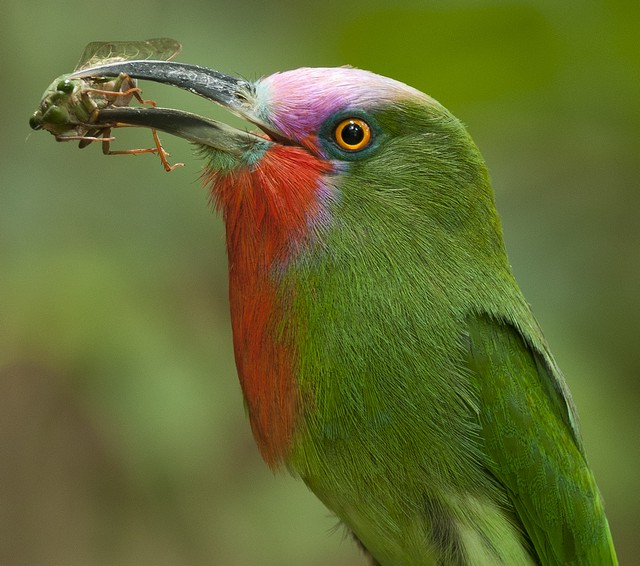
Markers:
(386, 354)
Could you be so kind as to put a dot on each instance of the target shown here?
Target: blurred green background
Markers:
(122, 433)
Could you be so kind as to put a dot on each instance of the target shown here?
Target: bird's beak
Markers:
(237, 95)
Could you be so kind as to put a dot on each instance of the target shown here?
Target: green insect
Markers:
(69, 106)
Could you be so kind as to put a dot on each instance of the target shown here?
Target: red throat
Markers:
(267, 210)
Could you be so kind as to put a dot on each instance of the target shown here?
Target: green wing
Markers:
(534, 450)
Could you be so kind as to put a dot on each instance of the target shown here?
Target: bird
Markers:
(386, 354)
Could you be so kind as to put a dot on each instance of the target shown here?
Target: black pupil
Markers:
(352, 134)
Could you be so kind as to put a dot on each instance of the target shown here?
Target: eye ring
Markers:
(352, 134)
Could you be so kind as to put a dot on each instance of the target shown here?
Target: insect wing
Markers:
(102, 52)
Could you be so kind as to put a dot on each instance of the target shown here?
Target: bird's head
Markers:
(335, 143)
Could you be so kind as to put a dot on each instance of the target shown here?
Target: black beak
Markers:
(232, 93)
(237, 95)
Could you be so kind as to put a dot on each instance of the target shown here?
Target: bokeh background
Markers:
(122, 433)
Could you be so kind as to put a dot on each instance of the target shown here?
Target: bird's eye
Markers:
(352, 134)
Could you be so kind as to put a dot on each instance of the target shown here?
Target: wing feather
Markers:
(533, 446)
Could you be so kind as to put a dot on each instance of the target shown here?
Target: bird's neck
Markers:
(268, 211)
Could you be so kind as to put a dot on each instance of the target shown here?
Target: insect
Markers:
(69, 106)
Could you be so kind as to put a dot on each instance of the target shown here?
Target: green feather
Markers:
(533, 452)
(431, 430)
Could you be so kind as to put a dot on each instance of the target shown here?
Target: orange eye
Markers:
(352, 134)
